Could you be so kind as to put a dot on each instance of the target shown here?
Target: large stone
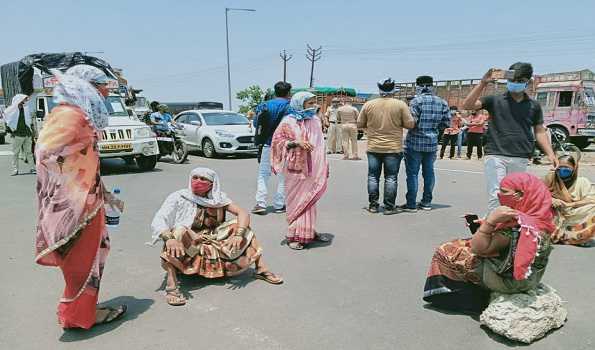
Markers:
(525, 317)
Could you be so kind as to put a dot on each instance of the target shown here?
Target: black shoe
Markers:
(392, 211)
(258, 210)
(280, 210)
(426, 207)
(406, 209)
(372, 209)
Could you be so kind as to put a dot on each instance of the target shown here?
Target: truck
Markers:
(567, 100)
(125, 136)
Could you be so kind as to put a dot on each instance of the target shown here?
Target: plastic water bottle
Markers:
(112, 214)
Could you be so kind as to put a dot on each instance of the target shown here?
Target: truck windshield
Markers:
(590, 96)
(115, 107)
(225, 119)
(140, 102)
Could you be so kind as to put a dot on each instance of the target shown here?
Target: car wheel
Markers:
(146, 163)
(208, 149)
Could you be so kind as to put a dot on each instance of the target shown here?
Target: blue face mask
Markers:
(516, 87)
(310, 112)
(564, 172)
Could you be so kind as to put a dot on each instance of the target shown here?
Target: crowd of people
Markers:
(508, 252)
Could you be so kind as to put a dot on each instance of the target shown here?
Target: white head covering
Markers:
(12, 112)
(74, 88)
(215, 199)
(297, 104)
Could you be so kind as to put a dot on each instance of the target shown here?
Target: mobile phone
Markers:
(473, 226)
(501, 74)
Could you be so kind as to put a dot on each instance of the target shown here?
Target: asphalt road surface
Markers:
(361, 292)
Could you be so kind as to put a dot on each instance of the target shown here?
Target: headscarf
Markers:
(215, 199)
(74, 88)
(12, 112)
(558, 187)
(419, 90)
(296, 105)
(534, 216)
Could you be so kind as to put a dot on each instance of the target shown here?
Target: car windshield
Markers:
(225, 119)
(590, 96)
(140, 102)
(115, 107)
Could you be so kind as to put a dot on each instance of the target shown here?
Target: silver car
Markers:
(217, 132)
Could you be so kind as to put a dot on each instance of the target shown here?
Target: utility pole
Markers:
(227, 9)
(313, 55)
(285, 57)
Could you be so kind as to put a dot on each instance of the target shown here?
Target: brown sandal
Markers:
(113, 314)
(269, 277)
(295, 245)
(174, 297)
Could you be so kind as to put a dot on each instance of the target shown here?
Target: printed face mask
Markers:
(200, 187)
(516, 87)
(564, 172)
(508, 200)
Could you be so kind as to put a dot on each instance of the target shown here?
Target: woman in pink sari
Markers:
(298, 151)
(71, 232)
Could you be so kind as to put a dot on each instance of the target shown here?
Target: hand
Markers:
(558, 203)
(487, 78)
(306, 146)
(554, 160)
(234, 243)
(113, 202)
(174, 248)
(502, 214)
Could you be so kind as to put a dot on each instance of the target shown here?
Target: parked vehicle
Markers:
(177, 107)
(217, 132)
(171, 143)
(125, 136)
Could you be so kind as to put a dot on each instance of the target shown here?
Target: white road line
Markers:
(5, 153)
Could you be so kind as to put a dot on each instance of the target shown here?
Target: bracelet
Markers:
(486, 233)
(489, 223)
(241, 231)
(166, 236)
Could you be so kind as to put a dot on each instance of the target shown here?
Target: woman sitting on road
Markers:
(573, 202)
(198, 239)
(507, 254)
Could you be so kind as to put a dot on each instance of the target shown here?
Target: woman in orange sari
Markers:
(71, 232)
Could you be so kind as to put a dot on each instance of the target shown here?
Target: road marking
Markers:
(5, 153)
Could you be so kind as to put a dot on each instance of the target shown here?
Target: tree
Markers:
(251, 97)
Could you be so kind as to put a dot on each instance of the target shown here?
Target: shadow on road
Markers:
(316, 244)
(135, 308)
(190, 284)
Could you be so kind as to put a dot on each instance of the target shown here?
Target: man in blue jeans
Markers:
(268, 116)
(431, 113)
(384, 119)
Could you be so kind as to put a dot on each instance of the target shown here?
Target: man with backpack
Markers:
(268, 116)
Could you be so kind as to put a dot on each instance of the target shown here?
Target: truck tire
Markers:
(581, 142)
(208, 148)
(146, 163)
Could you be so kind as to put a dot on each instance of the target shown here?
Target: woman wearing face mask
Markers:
(573, 202)
(298, 151)
(71, 232)
(507, 254)
(198, 239)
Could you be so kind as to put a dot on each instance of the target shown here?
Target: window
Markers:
(565, 99)
(541, 98)
(225, 119)
(40, 105)
(192, 117)
(182, 119)
(115, 107)
(589, 96)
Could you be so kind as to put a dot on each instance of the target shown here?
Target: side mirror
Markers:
(40, 114)
(195, 123)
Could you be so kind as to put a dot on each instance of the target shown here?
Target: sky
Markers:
(175, 50)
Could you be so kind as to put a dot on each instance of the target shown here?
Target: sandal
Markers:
(113, 314)
(322, 238)
(295, 245)
(268, 276)
(174, 297)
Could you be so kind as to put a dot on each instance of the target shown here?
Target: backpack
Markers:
(263, 122)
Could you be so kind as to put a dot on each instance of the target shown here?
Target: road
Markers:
(361, 292)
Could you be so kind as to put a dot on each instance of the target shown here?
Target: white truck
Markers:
(125, 136)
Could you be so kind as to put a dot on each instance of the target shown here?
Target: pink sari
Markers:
(306, 174)
(71, 231)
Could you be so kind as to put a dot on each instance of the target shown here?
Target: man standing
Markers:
(475, 134)
(431, 113)
(347, 117)
(333, 134)
(268, 116)
(384, 119)
(19, 121)
(514, 120)
(451, 134)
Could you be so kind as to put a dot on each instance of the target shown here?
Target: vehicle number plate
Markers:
(252, 147)
(116, 147)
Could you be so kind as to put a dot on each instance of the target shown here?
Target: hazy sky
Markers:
(175, 50)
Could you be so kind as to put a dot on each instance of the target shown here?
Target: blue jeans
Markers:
(264, 173)
(391, 162)
(460, 138)
(413, 161)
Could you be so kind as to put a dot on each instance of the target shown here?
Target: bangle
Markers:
(485, 233)
(240, 232)
(166, 236)
(489, 223)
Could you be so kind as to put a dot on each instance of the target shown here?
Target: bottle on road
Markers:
(112, 213)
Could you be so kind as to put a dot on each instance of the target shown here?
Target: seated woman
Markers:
(574, 204)
(507, 254)
(198, 239)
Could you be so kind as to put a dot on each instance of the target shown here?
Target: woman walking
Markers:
(71, 232)
(298, 151)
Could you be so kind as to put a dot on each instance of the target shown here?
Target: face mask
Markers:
(564, 172)
(200, 187)
(508, 200)
(516, 87)
(310, 112)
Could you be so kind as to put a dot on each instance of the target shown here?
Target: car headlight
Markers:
(143, 133)
(223, 133)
